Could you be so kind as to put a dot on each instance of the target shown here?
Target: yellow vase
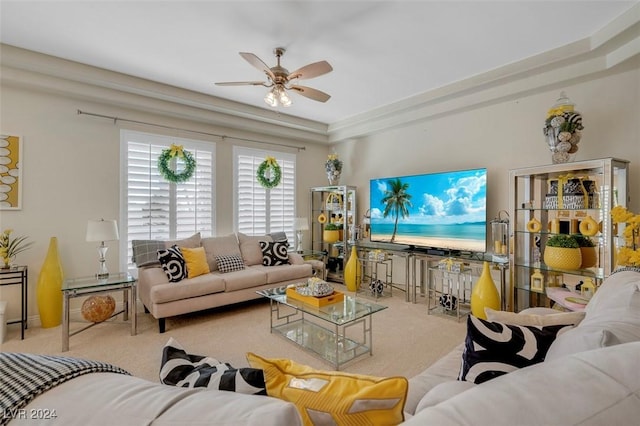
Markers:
(352, 277)
(484, 294)
(49, 287)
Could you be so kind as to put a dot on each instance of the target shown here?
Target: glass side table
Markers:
(86, 286)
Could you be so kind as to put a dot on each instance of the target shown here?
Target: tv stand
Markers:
(418, 261)
(425, 265)
(436, 252)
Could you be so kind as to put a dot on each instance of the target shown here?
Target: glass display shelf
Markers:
(569, 198)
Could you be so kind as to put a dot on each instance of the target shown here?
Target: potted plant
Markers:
(331, 233)
(562, 251)
(587, 251)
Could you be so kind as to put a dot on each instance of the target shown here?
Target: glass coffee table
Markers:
(86, 286)
(337, 333)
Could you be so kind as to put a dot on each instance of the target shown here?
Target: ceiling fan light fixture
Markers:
(279, 79)
(284, 99)
(271, 99)
(277, 96)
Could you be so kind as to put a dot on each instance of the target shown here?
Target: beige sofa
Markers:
(165, 299)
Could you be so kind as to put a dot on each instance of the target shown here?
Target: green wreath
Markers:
(270, 164)
(172, 152)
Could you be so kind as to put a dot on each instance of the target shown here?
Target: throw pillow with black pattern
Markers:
(178, 368)
(173, 263)
(492, 348)
(274, 253)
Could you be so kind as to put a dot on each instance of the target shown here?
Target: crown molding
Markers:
(25, 68)
(605, 51)
(615, 44)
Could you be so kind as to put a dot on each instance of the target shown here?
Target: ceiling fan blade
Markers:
(258, 63)
(312, 70)
(242, 83)
(310, 93)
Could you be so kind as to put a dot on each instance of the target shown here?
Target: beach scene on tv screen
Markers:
(439, 210)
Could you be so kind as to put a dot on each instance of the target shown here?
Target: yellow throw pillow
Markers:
(196, 260)
(331, 397)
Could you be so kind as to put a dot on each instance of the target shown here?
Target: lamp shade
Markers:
(102, 230)
(301, 224)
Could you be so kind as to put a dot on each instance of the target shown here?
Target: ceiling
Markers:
(382, 52)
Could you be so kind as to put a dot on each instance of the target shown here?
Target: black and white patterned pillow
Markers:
(230, 263)
(274, 253)
(173, 263)
(493, 349)
(178, 368)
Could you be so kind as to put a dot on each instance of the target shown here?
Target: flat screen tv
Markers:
(446, 210)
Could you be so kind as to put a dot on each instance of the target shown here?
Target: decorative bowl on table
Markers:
(315, 287)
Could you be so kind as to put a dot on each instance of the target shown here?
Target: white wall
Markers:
(71, 173)
(71, 163)
(503, 136)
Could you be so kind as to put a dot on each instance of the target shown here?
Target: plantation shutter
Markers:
(259, 210)
(155, 208)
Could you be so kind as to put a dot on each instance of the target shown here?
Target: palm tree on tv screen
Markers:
(397, 202)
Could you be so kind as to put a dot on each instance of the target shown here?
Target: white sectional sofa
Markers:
(591, 377)
(591, 374)
(164, 299)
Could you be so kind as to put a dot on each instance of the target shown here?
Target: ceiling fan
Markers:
(281, 80)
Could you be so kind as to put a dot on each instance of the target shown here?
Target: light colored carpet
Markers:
(406, 339)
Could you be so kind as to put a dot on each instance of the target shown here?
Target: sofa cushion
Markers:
(115, 399)
(331, 397)
(281, 273)
(178, 368)
(612, 317)
(582, 339)
(279, 236)
(250, 248)
(598, 387)
(442, 392)
(145, 252)
(618, 298)
(220, 246)
(191, 242)
(274, 253)
(230, 263)
(196, 260)
(493, 349)
(173, 263)
(252, 276)
(442, 370)
(188, 288)
(521, 318)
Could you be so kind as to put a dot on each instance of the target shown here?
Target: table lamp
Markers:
(102, 230)
(301, 224)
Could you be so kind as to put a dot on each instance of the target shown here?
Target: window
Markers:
(154, 208)
(258, 210)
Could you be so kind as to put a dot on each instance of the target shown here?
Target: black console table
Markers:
(13, 276)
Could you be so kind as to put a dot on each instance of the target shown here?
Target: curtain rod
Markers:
(223, 137)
